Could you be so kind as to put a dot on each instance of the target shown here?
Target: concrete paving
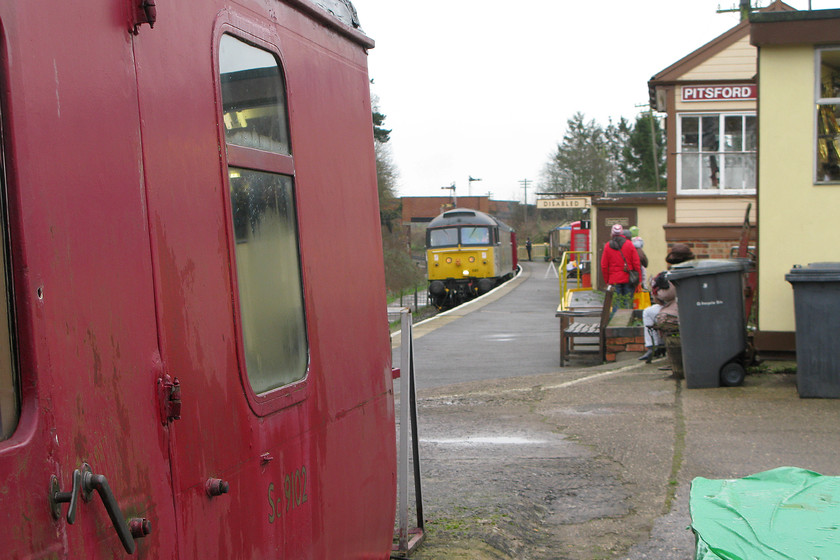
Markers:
(524, 459)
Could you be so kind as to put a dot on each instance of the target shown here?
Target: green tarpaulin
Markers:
(785, 513)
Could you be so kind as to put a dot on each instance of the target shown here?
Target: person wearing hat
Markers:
(618, 260)
(664, 295)
(639, 244)
(680, 252)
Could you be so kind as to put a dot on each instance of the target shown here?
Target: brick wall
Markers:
(624, 341)
(620, 337)
(710, 249)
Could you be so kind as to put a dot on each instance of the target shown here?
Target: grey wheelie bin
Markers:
(713, 331)
(816, 303)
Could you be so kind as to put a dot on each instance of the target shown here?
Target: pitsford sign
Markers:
(720, 93)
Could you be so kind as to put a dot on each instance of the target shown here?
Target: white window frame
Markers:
(720, 153)
(819, 102)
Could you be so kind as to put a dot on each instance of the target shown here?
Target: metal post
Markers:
(402, 475)
(408, 413)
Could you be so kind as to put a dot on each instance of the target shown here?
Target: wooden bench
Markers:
(570, 329)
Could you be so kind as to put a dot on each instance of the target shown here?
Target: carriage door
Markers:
(83, 445)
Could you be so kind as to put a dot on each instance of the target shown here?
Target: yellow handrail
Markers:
(565, 291)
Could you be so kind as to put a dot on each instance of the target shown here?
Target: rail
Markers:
(577, 257)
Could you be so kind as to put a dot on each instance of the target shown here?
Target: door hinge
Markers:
(145, 11)
(169, 398)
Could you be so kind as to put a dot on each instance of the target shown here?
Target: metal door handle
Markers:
(57, 497)
(84, 484)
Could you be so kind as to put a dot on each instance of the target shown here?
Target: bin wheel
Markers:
(732, 374)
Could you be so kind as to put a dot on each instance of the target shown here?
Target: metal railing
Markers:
(578, 257)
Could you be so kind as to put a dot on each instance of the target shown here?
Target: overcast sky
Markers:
(484, 88)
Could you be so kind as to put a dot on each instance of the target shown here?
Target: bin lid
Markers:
(815, 272)
(700, 267)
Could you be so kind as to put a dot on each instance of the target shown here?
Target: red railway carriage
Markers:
(181, 374)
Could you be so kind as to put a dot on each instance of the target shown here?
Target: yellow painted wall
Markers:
(651, 220)
(734, 63)
(798, 220)
(747, 106)
(718, 210)
(738, 62)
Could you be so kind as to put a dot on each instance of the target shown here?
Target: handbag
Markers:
(632, 275)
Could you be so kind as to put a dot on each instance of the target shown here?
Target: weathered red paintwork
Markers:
(122, 246)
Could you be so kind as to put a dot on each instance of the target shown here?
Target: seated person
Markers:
(664, 297)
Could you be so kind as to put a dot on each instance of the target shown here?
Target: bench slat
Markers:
(578, 329)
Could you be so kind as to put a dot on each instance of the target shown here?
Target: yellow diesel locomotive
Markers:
(468, 253)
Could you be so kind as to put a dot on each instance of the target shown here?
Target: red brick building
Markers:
(421, 209)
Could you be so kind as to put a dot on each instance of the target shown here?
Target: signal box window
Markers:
(828, 113)
(717, 153)
(262, 201)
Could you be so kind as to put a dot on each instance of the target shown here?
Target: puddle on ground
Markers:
(482, 440)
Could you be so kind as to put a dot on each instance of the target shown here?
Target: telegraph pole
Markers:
(524, 183)
(653, 142)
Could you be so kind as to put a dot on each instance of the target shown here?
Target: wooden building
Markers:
(710, 98)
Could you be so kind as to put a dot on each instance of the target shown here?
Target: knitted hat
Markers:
(680, 252)
(638, 242)
(617, 230)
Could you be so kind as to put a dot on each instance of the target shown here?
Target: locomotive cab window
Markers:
(444, 237)
(475, 235)
(263, 214)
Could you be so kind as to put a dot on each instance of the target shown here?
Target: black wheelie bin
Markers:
(713, 330)
(816, 303)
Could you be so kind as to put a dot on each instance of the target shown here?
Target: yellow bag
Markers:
(641, 299)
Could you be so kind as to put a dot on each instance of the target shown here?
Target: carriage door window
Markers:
(9, 384)
(262, 201)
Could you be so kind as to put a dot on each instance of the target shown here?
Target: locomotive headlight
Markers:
(466, 273)
(448, 260)
(472, 259)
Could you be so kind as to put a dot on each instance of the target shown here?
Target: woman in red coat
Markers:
(618, 259)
